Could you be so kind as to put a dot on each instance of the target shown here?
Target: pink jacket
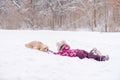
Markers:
(66, 51)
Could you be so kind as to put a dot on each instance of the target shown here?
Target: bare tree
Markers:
(95, 15)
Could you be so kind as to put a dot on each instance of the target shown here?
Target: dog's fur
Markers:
(37, 45)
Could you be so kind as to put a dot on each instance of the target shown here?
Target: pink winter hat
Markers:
(60, 44)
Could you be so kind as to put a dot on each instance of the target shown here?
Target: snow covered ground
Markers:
(20, 63)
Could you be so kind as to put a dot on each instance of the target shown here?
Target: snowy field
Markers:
(20, 63)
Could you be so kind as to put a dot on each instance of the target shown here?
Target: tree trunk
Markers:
(94, 22)
(106, 15)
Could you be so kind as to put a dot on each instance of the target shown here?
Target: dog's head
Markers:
(44, 48)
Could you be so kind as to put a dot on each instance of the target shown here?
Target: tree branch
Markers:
(15, 3)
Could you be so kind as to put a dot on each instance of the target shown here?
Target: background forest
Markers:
(93, 15)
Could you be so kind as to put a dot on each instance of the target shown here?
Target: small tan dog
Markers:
(37, 45)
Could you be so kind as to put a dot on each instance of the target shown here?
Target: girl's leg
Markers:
(95, 51)
(84, 54)
(96, 57)
(81, 54)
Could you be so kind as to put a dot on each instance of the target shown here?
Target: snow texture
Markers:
(20, 63)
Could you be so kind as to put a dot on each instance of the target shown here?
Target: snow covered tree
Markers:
(95, 15)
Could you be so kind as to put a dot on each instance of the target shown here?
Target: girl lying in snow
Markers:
(64, 50)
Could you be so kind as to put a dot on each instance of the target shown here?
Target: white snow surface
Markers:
(20, 63)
